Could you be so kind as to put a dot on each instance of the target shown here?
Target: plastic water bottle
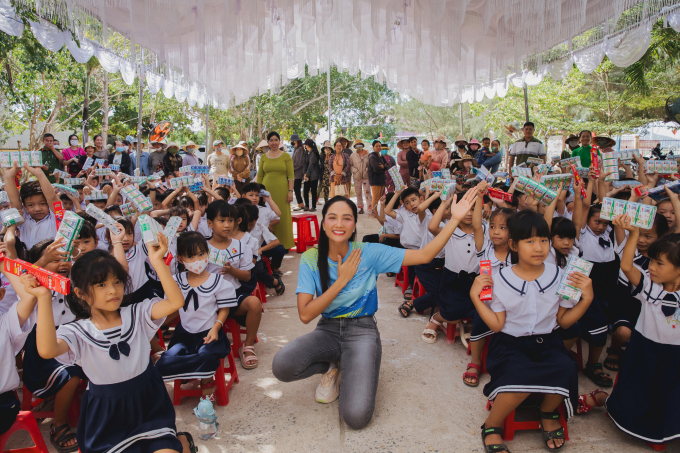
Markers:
(207, 420)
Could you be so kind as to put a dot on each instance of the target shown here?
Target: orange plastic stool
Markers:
(27, 404)
(451, 333)
(485, 352)
(305, 238)
(510, 425)
(402, 279)
(25, 422)
(221, 386)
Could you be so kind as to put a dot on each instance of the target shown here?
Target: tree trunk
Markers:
(105, 109)
(86, 106)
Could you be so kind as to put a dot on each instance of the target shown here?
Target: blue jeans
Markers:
(493, 162)
(355, 343)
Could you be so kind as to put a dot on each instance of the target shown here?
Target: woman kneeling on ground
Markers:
(339, 282)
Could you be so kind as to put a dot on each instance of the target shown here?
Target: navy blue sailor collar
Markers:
(548, 279)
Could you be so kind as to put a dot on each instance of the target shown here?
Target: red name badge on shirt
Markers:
(485, 268)
(50, 280)
(58, 212)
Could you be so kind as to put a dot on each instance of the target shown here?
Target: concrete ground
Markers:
(422, 404)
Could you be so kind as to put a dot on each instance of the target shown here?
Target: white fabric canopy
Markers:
(439, 51)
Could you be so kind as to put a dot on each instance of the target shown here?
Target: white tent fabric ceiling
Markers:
(439, 51)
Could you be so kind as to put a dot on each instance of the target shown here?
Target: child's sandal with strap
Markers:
(583, 406)
(190, 440)
(552, 435)
(248, 362)
(494, 448)
(406, 308)
(432, 332)
(471, 375)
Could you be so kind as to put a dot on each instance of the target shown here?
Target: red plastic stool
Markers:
(262, 290)
(235, 330)
(418, 289)
(25, 422)
(304, 231)
(27, 404)
(510, 425)
(485, 352)
(578, 355)
(221, 386)
(451, 333)
(402, 279)
(268, 262)
(161, 341)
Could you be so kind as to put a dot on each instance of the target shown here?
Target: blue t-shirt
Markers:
(360, 296)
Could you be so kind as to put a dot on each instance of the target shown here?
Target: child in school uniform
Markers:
(261, 235)
(86, 242)
(15, 325)
(645, 399)
(461, 266)
(526, 355)
(429, 275)
(46, 377)
(496, 249)
(199, 342)
(414, 223)
(268, 216)
(126, 406)
(223, 219)
(564, 235)
(35, 200)
(625, 312)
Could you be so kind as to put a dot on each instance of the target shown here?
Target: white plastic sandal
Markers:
(432, 332)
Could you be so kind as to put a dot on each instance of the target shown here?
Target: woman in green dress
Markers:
(276, 173)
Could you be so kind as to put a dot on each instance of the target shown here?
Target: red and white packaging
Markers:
(499, 194)
(577, 180)
(50, 280)
(595, 161)
(58, 212)
(485, 268)
(641, 191)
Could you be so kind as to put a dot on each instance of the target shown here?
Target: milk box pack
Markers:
(641, 215)
(10, 216)
(149, 229)
(96, 195)
(69, 229)
(567, 291)
(102, 218)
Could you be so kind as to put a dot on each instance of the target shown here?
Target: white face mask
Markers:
(74, 142)
(197, 266)
(125, 148)
(191, 150)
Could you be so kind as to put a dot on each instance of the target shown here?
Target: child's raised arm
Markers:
(168, 200)
(117, 244)
(632, 273)
(48, 345)
(477, 225)
(426, 204)
(272, 205)
(45, 185)
(173, 295)
(437, 217)
(675, 201)
(390, 205)
(11, 188)
(550, 210)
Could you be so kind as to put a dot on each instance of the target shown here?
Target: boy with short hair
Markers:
(414, 221)
(35, 200)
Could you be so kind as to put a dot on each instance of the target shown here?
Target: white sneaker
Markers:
(329, 387)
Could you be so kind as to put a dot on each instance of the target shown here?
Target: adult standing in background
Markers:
(276, 173)
(583, 152)
(528, 147)
(51, 158)
(144, 161)
(440, 155)
(121, 158)
(390, 162)
(413, 158)
(100, 151)
(262, 148)
(311, 174)
(325, 174)
(156, 155)
(218, 161)
(239, 165)
(190, 158)
(377, 167)
(72, 155)
(299, 165)
(493, 157)
(404, 145)
(359, 165)
(172, 161)
(347, 146)
(340, 169)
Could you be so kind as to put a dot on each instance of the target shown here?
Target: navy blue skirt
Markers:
(645, 400)
(455, 303)
(532, 364)
(45, 377)
(592, 326)
(188, 357)
(135, 416)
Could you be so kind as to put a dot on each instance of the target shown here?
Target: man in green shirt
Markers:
(51, 158)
